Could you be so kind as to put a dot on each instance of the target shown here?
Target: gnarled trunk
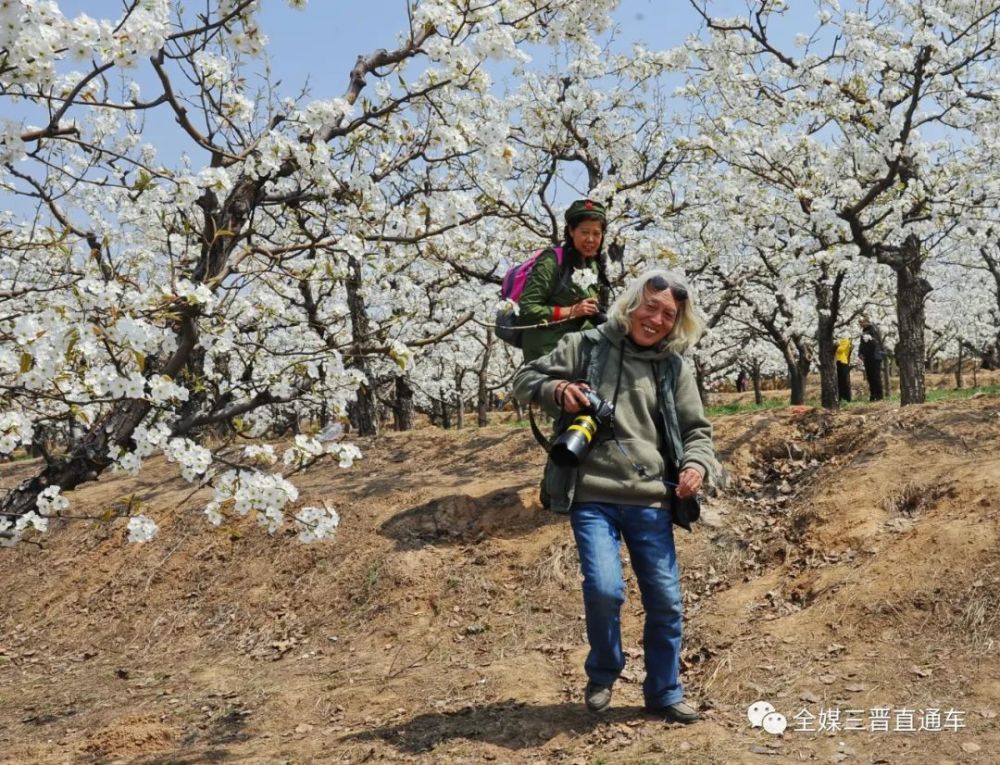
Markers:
(88, 457)
(459, 400)
(758, 392)
(363, 413)
(797, 382)
(797, 361)
(403, 405)
(911, 290)
(482, 391)
(828, 306)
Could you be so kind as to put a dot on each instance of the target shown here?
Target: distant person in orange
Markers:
(844, 347)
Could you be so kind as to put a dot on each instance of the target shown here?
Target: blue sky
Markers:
(323, 41)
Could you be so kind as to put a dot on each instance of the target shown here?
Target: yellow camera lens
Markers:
(586, 426)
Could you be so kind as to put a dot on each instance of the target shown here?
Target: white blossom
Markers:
(141, 528)
(584, 278)
(50, 502)
(316, 523)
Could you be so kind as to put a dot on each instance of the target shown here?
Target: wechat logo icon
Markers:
(761, 714)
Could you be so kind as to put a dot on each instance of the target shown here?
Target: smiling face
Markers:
(654, 319)
(586, 237)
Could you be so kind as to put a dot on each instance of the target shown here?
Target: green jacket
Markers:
(643, 411)
(545, 288)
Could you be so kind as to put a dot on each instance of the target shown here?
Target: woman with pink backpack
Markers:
(564, 285)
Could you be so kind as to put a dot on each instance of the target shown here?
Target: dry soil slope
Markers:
(851, 562)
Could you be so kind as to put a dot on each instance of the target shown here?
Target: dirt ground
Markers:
(848, 574)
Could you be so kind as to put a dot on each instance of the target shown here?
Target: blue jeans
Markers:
(649, 536)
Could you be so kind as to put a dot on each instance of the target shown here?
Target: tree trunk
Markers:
(828, 306)
(459, 400)
(403, 406)
(483, 393)
(699, 378)
(195, 370)
(958, 369)
(798, 364)
(758, 394)
(363, 414)
(911, 290)
(828, 394)
(797, 384)
(445, 413)
(87, 461)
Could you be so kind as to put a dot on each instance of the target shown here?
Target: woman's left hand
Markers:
(689, 483)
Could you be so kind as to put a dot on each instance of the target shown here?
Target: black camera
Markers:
(572, 445)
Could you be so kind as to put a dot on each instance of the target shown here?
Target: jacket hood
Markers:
(654, 353)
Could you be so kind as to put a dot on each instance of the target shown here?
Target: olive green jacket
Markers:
(546, 288)
(657, 394)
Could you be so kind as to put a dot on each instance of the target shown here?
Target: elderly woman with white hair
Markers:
(633, 478)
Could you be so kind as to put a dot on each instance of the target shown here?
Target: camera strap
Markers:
(536, 431)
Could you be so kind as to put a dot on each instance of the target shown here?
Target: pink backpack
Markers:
(511, 288)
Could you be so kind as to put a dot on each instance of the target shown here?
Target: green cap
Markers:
(584, 209)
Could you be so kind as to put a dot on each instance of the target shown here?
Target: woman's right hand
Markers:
(586, 307)
(570, 396)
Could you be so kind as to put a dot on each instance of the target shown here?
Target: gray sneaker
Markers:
(598, 697)
(678, 712)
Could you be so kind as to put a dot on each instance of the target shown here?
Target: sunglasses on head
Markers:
(659, 283)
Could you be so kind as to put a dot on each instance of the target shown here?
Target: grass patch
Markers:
(942, 394)
(945, 394)
(736, 407)
(718, 410)
(932, 394)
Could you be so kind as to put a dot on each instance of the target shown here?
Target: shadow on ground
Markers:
(195, 757)
(510, 724)
(462, 518)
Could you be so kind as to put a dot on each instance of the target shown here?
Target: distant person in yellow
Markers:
(844, 347)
